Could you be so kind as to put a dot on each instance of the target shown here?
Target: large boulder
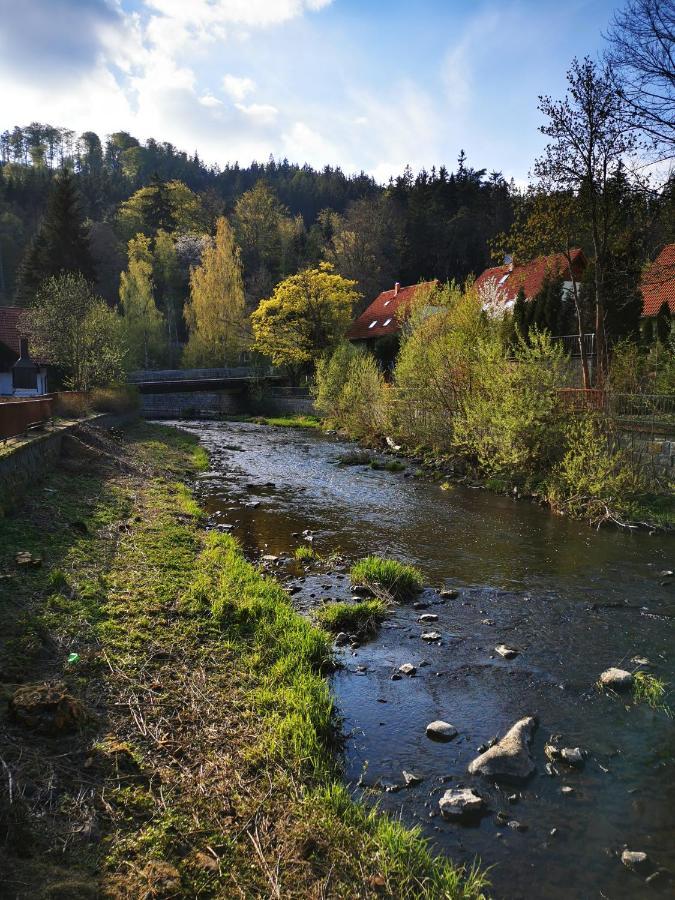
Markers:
(508, 759)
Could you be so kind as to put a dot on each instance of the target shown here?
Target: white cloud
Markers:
(260, 113)
(210, 102)
(253, 13)
(237, 88)
(303, 144)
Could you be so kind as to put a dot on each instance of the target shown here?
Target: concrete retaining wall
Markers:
(30, 461)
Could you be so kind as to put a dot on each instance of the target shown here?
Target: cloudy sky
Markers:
(364, 84)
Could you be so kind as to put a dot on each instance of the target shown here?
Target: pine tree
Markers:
(159, 212)
(61, 243)
(216, 311)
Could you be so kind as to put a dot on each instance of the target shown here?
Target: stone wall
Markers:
(191, 405)
(654, 452)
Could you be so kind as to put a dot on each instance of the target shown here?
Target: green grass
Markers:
(203, 671)
(305, 553)
(650, 690)
(362, 618)
(298, 421)
(389, 465)
(398, 580)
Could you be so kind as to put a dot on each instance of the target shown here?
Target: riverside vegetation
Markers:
(193, 753)
(477, 398)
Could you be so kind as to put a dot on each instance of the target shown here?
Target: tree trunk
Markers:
(580, 324)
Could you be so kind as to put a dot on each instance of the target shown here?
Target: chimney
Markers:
(397, 288)
(24, 370)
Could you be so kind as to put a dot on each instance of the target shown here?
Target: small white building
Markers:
(20, 376)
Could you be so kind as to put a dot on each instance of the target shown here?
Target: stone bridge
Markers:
(212, 393)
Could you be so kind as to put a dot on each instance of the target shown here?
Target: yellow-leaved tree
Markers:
(306, 316)
(215, 312)
(144, 325)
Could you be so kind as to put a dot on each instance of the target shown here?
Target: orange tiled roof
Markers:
(11, 330)
(530, 276)
(381, 318)
(658, 283)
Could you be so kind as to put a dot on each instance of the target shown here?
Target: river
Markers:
(573, 600)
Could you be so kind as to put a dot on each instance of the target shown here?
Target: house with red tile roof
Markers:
(658, 283)
(384, 317)
(20, 376)
(506, 281)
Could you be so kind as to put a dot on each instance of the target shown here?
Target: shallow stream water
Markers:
(572, 600)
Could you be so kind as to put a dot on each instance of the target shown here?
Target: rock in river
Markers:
(407, 669)
(509, 759)
(573, 756)
(616, 679)
(428, 617)
(506, 651)
(633, 859)
(441, 731)
(460, 803)
(431, 636)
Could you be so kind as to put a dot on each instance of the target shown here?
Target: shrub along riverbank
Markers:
(477, 400)
(189, 748)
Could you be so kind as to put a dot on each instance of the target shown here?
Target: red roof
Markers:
(658, 283)
(11, 330)
(382, 317)
(530, 276)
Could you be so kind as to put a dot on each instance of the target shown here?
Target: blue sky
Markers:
(367, 85)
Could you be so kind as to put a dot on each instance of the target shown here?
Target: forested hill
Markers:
(434, 224)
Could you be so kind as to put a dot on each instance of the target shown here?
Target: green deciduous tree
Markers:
(215, 312)
(307, 315)
(77, 332)
(144, 324)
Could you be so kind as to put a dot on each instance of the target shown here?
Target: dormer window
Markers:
(387, 302)
(386, 322)
(373, 323)
(504, 277)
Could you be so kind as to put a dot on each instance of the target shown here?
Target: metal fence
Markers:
(572, 345)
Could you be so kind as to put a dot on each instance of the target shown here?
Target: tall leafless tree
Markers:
(642, 57)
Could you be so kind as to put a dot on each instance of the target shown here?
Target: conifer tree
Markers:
(61, 243)
(215, 312)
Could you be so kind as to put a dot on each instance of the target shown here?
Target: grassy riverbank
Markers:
(206, 766)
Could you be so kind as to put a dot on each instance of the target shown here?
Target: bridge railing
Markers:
(144, 375)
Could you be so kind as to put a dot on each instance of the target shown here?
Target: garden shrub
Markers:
(511, 422)
(595, 479)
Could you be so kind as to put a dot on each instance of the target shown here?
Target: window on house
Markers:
(504, 277)
(373, 323)
(386, 322)
(387, 302)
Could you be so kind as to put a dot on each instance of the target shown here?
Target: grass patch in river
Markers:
(298, 421)
(306, 553)
(399, 581)
(362, 618)
(650, 690)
